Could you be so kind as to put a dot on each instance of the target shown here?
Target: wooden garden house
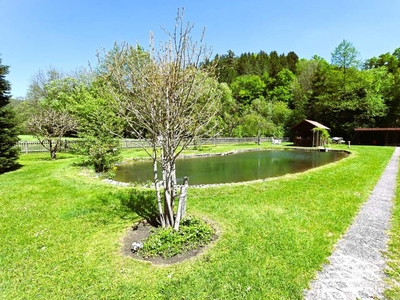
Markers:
(305, 136)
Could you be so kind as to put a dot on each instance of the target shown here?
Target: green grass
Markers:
(28, 138)
(31, 138)
(61, 233)
(138, 153)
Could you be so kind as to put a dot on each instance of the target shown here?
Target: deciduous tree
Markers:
(98, 127)
(167, 100)
(345, 57)
(246, 88)
(36, 89)
(49, 126)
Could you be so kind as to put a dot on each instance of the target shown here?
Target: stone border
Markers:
(307, 149)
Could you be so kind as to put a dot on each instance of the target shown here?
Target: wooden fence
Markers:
(36, 146)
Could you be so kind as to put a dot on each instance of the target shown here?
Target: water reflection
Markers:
(238, 167)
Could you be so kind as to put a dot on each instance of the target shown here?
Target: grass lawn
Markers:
(31, 138)
(61, 232)
(27, 138)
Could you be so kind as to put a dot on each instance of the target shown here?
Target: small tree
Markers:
(323, 135)
(8, 125)
(49, 126)
(98, 128)
(168, 99)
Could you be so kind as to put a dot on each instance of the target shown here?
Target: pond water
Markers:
(239, 167)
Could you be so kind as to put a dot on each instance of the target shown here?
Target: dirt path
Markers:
(356, 269)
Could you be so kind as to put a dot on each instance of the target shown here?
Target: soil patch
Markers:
(139, 232)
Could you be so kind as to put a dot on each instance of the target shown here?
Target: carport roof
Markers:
(377, 129)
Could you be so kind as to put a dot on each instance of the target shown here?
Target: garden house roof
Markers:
(309, 123)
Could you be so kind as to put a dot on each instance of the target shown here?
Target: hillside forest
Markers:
(262, 93)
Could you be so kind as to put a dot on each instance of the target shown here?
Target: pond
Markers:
(239, 167)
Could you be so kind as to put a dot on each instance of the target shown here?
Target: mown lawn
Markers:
(61, 231)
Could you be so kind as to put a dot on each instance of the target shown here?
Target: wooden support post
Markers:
(181, 212)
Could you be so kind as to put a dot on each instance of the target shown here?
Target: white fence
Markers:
(36, 146)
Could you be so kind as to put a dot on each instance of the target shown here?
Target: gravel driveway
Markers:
(356, 269)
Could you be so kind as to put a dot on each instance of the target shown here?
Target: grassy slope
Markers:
(61, 233)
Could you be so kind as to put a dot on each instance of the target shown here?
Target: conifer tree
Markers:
(8, 124)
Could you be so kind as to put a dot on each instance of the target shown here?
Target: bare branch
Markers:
(165, 96)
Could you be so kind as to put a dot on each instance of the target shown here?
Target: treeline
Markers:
(231, 66)
(273, 92)
(265, 94)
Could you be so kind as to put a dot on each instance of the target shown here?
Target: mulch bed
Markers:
(139, 232)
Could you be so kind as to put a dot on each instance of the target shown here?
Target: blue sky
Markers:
(38, 34)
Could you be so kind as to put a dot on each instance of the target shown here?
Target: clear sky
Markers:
(66, 34)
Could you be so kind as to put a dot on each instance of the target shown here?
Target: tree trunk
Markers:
(157, 188)
(168, 200)
(53, 150)
(182, 203)
(173, 185)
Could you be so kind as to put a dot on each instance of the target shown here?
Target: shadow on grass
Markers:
(141, 202)
(14, 167)
(58, 158)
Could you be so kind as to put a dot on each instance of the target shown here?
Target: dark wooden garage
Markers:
(377, 136)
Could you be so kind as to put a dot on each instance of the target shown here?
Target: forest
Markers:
(264, 93)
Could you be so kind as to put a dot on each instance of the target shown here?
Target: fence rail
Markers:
(36, 146)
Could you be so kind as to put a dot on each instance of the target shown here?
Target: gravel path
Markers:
(356, 269)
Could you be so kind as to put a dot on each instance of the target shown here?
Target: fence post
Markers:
(26, 147)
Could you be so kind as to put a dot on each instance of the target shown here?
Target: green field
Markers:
(61, 232)
(27, 138)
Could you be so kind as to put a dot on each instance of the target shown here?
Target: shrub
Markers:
(166, 242)
(100, 152)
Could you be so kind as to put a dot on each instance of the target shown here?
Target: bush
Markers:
(101, 153)
(166, 242)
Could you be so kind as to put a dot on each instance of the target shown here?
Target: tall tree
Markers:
(36, 89)
(167, 101)
(280, 87)
(8, 125)
(345, 57)
(246, 88)
(390, 61)
(229, 115)
(304, 89)
(391, 95)
(226, 67)
(244, 64)
(292, 60)
(98, 127)
(274, 64)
